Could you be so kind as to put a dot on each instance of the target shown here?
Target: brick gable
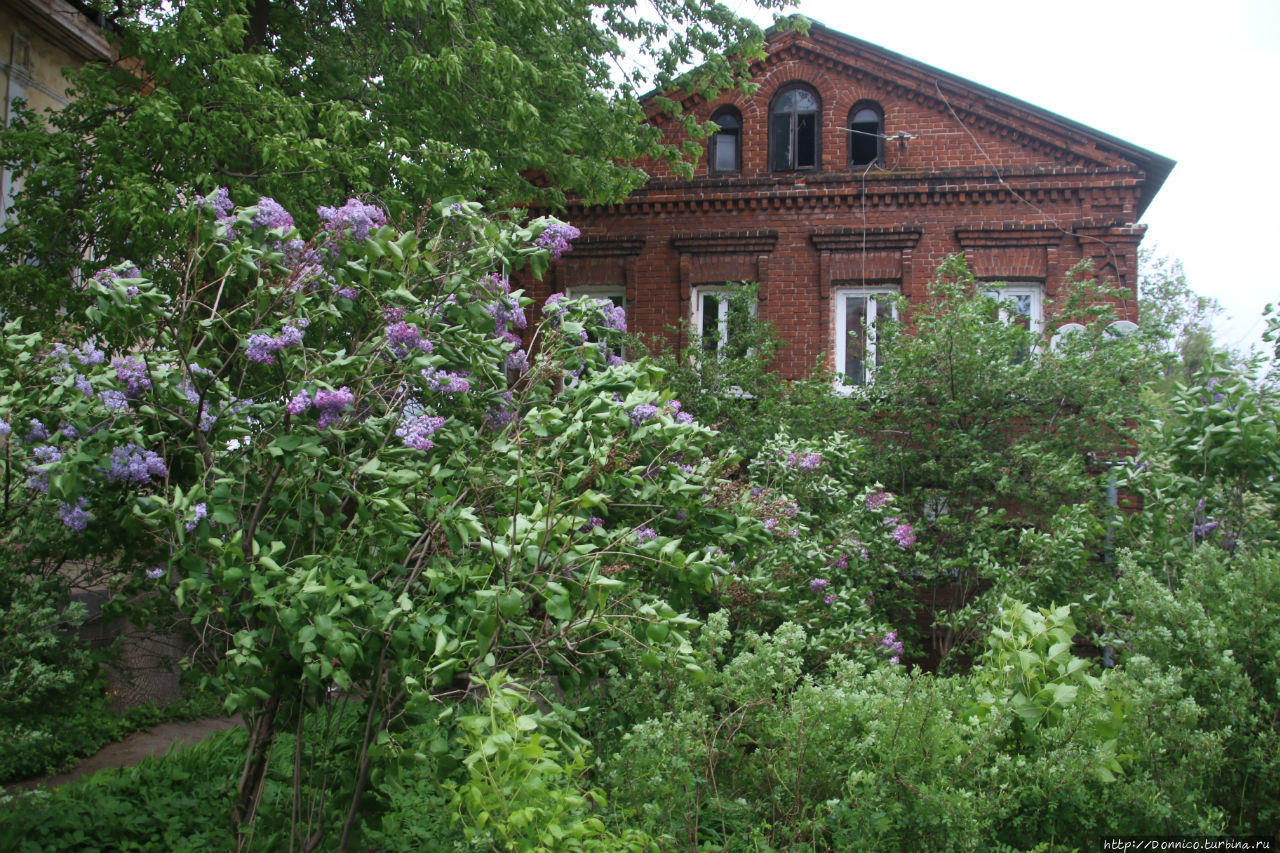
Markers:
(1023, 193)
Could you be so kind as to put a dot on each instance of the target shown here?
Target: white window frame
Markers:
(876, 304)
(699, 292)
(1004, 291)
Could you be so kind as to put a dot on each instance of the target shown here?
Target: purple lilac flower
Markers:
(555, 239)
(875, 500)
(132, 371)
(904, 535)
(261, 348)
(415, 431)
(495, 284)
(299, 404)
(446, 381)
(271, 215)
(353, 221)
(131, 292)
(155, 574)
(405, 337)
(38, 432)
(89, 354)
(553, 309)
(615, 360)
(893, 645)
(393, 313)
(756, 491)
(829, 600)
(592, 523)
(5, 429)
(219, 200)
(47, 454)
(132, 464)
(305, 264)
(346, 292)
(201, 512)
(76, 517)
(810, 461)
(645, 534)
(841, 562)
(681, 515)
(770, 523)
(503, 414)
(817, 585)
(615, 316)
(114, 400)
(642, 413)
(290, 335)
(518, 360)
(505, 312)
(331, 405)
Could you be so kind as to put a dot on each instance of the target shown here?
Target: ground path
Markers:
(137, 746)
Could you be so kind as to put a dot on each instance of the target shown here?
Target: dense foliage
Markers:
(404, 101)
(478, 589)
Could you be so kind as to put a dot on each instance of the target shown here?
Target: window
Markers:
(859, 313)
(794, 130)
(1020, 304)
(866, 134)
(720, 317)
(724, 149)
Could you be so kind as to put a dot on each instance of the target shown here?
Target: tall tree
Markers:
(312, 101)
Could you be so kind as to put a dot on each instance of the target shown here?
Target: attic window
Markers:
(724, 149)
(866, 134)
(794, 130)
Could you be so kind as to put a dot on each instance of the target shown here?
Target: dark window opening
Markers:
(725, 147)
(794, 131)
(866, 136)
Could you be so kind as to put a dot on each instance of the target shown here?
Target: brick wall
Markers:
(1025, 195)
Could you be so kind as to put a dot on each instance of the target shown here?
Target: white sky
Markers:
(1194, 81)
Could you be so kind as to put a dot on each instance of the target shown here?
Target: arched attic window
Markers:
(724, 148)
(866, 134)
(795, 130)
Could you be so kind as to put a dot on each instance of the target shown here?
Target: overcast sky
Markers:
(1194, 81)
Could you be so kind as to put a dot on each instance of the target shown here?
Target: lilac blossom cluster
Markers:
(592, 523)
(89, 354)
(642, 413)
(682, 417)
(817, 585)
(76, 517)
(553, 309)
(892, 645)
(192, 393)
(405, 338)
(805, 462)
(114, 400)
(219, 201)
(5, 429)
(446, 382)
(501, 415)
(39, 432)
(132, 371)
(261, 349)
(875, 500)
(331, 405)
(201, 513)
(645, 534)
(416, 430)
(134, 465)
(271, 214)
(556, 237)
(353, 221)
(305, 264)
(904, 534)
(615, 316)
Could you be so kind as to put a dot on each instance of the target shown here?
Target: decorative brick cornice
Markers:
(1009, 236)
(606, 247)
(725, 242)
(865, 239)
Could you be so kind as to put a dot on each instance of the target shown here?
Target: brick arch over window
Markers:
(795, 128)
(866, 134)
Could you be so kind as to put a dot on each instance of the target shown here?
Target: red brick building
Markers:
(852, 172)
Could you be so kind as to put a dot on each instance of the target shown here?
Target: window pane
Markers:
(724, 152)
(780, 141)
(855, 342)
(803, 100)
(728, 120)
(806, 140)
(866, 115)
(710, 322)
